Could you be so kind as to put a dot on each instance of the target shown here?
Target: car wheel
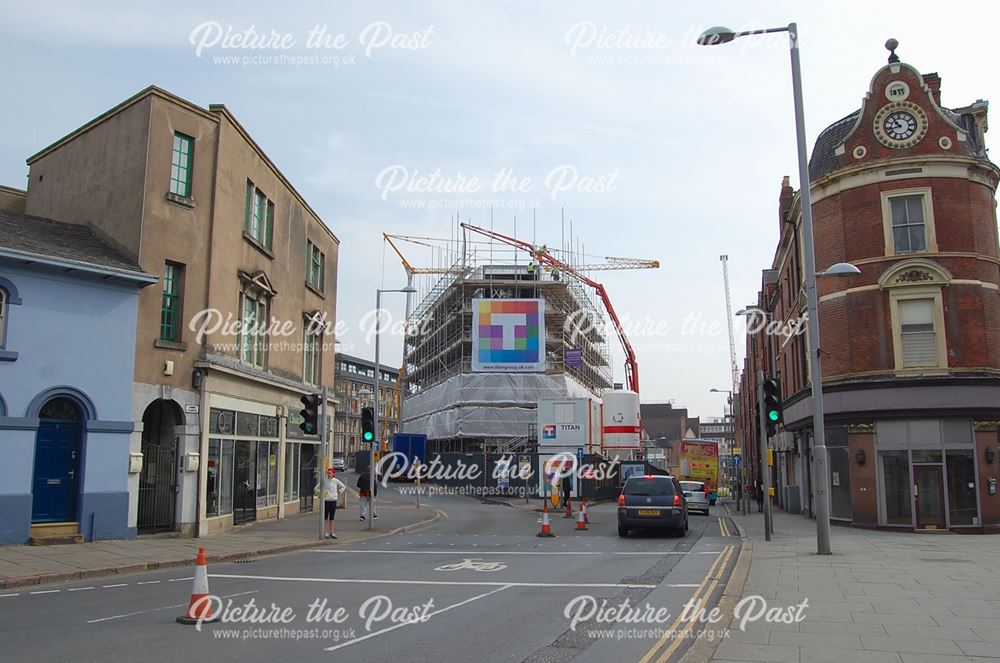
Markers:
(623, 532)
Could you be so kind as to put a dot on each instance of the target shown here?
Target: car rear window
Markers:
(644, 486)
(693, 485)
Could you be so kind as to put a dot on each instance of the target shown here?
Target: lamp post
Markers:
(720, 35)
(409, 289)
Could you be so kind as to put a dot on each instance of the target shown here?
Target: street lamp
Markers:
(409, 290)
(721, 35)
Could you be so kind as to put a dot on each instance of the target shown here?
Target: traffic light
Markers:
(310, 414)
(772, 405)
(368, 424)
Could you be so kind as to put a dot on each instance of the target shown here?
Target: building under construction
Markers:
(462, 406)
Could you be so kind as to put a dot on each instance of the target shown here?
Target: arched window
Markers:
(60, 409)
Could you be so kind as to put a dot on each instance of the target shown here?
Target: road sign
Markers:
(736, 460)
(579, 453)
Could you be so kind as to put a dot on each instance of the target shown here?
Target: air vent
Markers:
(904, 171)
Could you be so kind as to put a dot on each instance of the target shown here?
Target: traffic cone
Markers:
(580, 522)
(586, 516)
(546, 525)
(200, 608)
(569, 509)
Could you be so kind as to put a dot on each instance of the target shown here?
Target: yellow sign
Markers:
(735, 451)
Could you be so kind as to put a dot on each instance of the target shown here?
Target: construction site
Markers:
(500, 324)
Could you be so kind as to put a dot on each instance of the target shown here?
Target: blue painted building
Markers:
(68, 302)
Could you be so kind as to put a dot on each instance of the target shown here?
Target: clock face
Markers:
(899, 125)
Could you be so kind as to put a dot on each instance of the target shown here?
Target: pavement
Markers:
(22, 566)
(880, 597)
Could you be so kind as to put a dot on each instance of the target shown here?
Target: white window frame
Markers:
(930, 235)
(259, 342)
(903, 294)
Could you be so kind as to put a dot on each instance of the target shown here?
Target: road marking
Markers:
(166, 607)
(45, 591)
(3, 595)
(179, 579)
(451, 552)
(79, 589)
(428, 617)
(693, 600)
(148, 582)
(470, 583)
(683, 634)
(473, 564)
(121, 584)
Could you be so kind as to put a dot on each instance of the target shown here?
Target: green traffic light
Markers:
(368, 437)
(773, 415)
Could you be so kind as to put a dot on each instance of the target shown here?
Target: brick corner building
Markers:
(903, 189)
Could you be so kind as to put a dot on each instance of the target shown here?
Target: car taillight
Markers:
(621, 500)
(677, 500)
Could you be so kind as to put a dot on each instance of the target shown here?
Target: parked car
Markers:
(696, 493)
(338, 464)
(652, 502)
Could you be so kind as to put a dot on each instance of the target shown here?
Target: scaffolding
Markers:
(466, 411)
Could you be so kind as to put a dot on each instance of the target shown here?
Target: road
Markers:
(477, 586)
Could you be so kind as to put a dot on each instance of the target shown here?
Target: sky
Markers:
(388, 116)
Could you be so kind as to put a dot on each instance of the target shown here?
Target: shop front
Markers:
(923, 475)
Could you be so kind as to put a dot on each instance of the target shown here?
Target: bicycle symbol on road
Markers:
(473, 564)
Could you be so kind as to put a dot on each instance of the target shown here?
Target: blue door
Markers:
(57, 453)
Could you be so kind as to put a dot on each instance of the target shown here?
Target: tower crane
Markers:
(735, 377)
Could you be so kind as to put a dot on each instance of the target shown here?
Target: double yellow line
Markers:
(702, 593)
(724, 527)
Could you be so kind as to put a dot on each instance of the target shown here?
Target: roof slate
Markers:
(66, 241)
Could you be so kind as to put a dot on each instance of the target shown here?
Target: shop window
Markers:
(896, 481)
(226, 479)
(962, 488)
(292, 460)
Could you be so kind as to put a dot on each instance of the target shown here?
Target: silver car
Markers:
(696, 495)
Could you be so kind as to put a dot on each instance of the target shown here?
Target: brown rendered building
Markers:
(189, 194)
(903, 189)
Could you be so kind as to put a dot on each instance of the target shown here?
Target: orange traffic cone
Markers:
(546, 525)
(569, 509)
(580, 522)
(200, 608)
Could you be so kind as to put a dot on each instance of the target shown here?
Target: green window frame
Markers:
(311, 357)
(258, 219)
(181, 163)
(253, 335)
(315, 267)
(170, 308)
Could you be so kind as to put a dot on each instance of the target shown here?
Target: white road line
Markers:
(3, 595)
(45, 591)
(179, 579)
(378, 581)
(167, 607)
(428, 617)
(79, 589)
(121, 584)
(451, 552)
(148, 582)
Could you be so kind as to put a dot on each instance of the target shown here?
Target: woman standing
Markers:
(332, 488)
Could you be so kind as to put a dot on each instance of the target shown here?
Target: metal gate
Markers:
(245, 483)
(158, 487)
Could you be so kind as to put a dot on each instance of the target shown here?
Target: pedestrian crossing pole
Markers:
(322, 460)
(765, 474)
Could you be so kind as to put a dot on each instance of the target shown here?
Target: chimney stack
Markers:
(784, 203)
